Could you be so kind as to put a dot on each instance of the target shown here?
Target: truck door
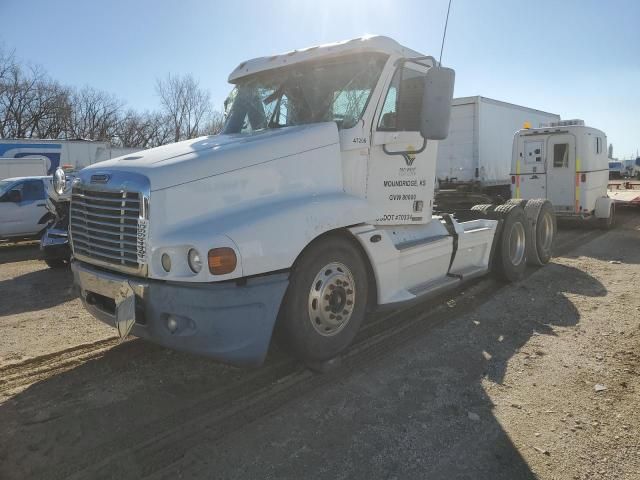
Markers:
(561, 172)
(22, 218)
(400, 182)
(532, 178)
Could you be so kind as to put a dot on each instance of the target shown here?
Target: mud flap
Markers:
(125, 310)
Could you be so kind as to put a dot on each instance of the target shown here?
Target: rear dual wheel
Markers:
(542, 218)
(510, 259)
(526, 235)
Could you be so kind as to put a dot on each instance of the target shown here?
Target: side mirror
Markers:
(14, 196)
(436, 103)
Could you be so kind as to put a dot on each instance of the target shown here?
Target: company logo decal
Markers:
(100, 178)
(409, 155)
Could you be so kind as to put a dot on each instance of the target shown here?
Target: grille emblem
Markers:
(100, 178)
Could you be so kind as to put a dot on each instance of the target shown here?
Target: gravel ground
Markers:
(39, 313)
(539, 379)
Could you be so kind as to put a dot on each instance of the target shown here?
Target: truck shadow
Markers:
(19, 252)
(36, 290)
(626, 250)
(401, 409)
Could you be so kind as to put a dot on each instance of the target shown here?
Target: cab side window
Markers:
(32, 190)
(403, 103)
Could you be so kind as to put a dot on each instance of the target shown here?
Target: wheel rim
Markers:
(332, 299)
(516, 243)
(546, 232)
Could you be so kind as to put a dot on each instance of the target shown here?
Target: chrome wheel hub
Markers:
(332, 299)
(546, 226)
(516, 243)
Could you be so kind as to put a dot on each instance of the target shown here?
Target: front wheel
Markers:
(56, 262)
(326, 301)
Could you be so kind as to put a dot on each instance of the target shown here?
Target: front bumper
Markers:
(229, 322)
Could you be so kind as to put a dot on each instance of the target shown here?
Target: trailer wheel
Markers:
(326, 301)
(510, 257)
(542, 218)
(609, 222)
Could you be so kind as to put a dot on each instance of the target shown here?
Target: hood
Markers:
(203, 157)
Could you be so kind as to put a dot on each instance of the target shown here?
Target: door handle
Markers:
(41, 205)
(533, 177)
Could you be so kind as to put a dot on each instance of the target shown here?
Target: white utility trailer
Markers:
(567, 164)
(312, 207)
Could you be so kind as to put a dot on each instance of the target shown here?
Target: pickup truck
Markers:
(312, 207)
(23, 212)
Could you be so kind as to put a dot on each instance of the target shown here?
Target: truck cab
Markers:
(313, 206)
(565, 162)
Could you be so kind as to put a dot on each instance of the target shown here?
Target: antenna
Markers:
(444, 34)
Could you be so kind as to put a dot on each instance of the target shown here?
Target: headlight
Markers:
(195, 262)
(59, 181)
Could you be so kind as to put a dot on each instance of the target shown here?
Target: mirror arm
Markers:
(406, 152)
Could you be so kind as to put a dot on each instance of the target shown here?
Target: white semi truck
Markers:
(565, 162)
(312, 207)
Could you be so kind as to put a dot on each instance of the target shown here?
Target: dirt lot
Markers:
(539, 379)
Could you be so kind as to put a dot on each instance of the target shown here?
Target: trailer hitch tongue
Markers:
(125, 310)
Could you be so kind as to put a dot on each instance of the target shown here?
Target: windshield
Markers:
(615, 165)
(4, 186)
(335, 90)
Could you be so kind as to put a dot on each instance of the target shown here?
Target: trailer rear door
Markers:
(561, 168)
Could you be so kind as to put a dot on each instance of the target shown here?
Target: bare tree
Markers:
(32, 105)
(185, 104)
(215, 123)
(94, 114)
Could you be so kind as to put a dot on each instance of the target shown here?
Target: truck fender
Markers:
(603, 207)
(267, 237)
(272, 236)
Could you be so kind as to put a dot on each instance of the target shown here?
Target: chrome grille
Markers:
(104, 226)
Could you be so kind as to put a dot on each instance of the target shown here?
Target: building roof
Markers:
(374, 43)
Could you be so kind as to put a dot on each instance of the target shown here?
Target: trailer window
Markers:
(561, 155)
(401, 108)
(598, 145)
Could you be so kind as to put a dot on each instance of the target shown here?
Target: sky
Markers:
(576, 58)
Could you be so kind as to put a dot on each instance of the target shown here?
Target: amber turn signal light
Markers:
(222, 260)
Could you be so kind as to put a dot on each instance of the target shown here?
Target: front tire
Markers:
(56, 263)
(326, 301)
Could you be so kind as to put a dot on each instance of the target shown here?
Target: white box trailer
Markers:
(477, 151)
(75, 153)
(22, 167)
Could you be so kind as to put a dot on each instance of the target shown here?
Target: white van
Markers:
(23, 211)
